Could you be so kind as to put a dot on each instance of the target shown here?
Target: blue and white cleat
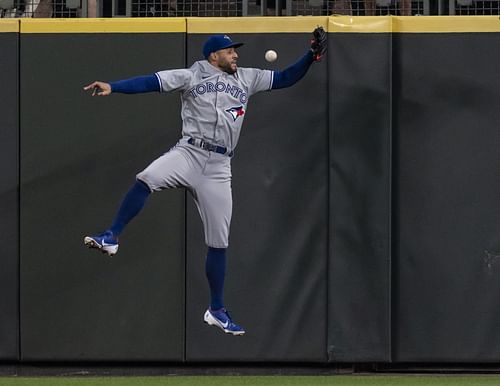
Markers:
(105, 242)
(221, 319)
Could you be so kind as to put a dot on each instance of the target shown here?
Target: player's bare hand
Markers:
(99, 88)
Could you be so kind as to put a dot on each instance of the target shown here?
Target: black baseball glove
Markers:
(318, 43)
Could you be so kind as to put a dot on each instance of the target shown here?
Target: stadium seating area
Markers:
(214, 8)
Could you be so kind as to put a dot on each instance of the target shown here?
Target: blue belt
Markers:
(210, 147)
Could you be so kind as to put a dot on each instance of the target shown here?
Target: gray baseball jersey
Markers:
(213, 107)
(214, 102)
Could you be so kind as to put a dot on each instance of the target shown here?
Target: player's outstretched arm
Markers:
(296, 71)
(292, 74)
(137, 85)
(99, 88)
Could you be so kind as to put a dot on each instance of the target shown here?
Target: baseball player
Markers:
(214, 94)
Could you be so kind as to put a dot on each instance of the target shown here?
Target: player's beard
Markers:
(227, 66)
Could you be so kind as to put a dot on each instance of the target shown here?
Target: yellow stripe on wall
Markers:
(280, 24)
(116, 25)
(9, 25)
(446, 24)
(276, 24)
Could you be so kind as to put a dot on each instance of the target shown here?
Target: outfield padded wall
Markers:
(277, 259)
(79, 156)
(9, 197)
(364, 197)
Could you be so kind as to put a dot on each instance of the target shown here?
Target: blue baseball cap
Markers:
(218, 42)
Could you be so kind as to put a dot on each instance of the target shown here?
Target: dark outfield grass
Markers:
(277, 380)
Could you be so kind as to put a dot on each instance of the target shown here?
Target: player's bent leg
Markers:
(169, 170)
(222, 319)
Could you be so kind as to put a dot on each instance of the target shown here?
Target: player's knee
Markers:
(143, 185)
(147, 179)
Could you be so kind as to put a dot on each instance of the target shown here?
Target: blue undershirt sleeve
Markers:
(139, 84)
(294, 73)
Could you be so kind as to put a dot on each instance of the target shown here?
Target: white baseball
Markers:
(271, 55)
